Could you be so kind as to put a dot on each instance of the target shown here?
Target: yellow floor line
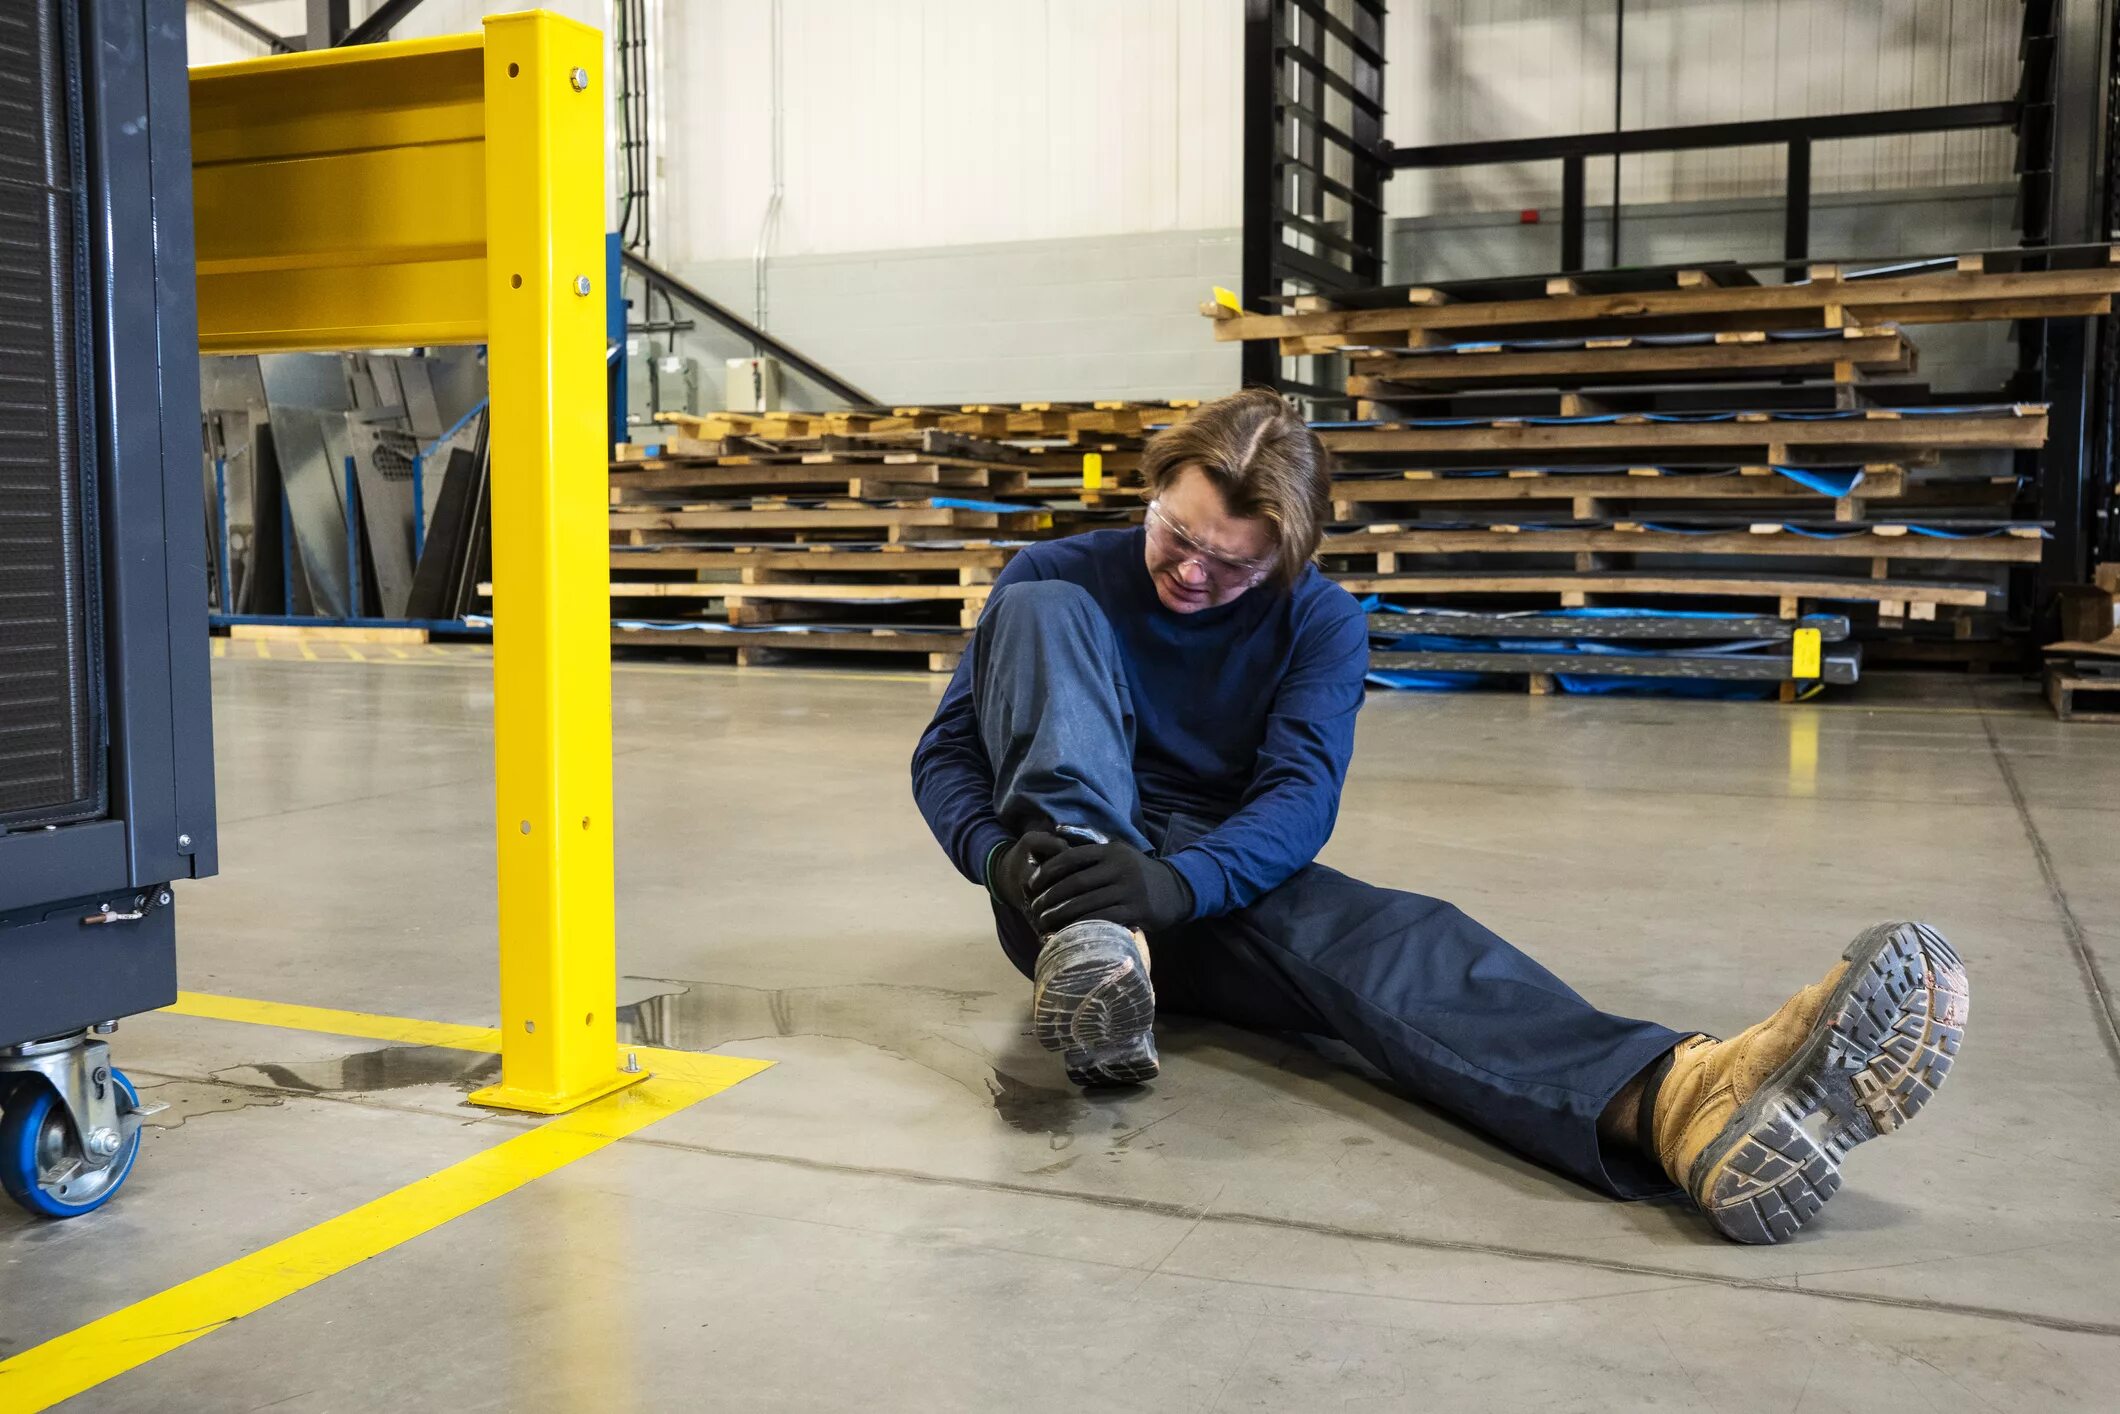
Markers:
(83, 1358)
(293, 1017)
(691, 1067)
(102, 1350)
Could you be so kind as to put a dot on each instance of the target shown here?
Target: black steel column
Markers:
(2104, 524)
(1796, 208)
(1571, 214)
(1619, 80)
(2064, 200)
(1262, 223)
(328, 22)
(1313, 140)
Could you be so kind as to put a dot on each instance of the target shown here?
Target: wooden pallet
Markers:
(326, 633)
(887, 478)
(1827, 299)
(953, 604)
(1040, 420)
(1638, 279)
(2078, 696)
(754, 584)
(1877, 544)
(1750, 437)
(1734, 356)
(1117, 465)
(1881, 481)
(975, 563)
(911, 445)
(939, 651)
(1894, 598)
(892, 523)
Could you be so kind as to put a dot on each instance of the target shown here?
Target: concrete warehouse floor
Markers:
(911, 1211)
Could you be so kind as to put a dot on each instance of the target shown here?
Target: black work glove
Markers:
(1114, 882)
(1008, 873)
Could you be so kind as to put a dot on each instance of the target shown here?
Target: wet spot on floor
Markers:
(1037, 1109)
(699, 1016)
(193, 1099)
(1056, 1166)
(931, 1027)
(388, 1068)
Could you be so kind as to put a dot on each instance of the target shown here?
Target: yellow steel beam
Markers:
(451, 191)
(552, 608)
(340, 198)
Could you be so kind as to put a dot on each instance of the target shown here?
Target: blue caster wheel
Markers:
(40, 1159)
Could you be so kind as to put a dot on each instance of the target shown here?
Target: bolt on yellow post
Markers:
(451, 191)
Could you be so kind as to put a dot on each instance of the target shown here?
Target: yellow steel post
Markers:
(551, 600)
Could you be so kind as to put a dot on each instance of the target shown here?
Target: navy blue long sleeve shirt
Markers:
(1244, 715)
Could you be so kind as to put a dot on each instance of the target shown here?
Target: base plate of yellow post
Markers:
(538, 1102)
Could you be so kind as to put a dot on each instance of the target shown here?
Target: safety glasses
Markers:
(1173, 540)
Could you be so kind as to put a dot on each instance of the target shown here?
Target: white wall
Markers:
(213, 40)
(935, 122)
(925, 123)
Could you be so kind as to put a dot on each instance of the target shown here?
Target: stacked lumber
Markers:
(1975, 287)
(1723, 505)
(867, 530)
(1680, 439)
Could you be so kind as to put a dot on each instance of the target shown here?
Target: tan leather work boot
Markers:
(1754, 1128)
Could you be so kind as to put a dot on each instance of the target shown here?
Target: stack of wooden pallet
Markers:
(1679, 438)
(870, 530)
(2083, 665)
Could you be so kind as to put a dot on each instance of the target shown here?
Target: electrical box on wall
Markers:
(753, 385)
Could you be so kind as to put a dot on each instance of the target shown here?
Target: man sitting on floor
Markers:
(1140, 758)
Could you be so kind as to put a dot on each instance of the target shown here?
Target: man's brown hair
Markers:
(1266, 462)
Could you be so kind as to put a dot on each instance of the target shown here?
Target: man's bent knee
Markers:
(1038, 615)
(1045, 600)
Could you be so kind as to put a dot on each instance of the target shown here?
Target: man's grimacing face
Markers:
(1199, 555)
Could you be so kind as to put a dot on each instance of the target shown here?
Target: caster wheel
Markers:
(40, 1160)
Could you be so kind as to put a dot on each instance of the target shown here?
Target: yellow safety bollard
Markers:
(551, 565)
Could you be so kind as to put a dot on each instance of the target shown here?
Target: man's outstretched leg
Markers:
(1754, 1128)
(1056, 718)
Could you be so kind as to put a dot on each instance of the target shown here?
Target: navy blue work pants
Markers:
(1444, 1007)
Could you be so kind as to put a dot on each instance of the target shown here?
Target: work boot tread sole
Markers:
(1881, 1046)
(1095, 1006)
